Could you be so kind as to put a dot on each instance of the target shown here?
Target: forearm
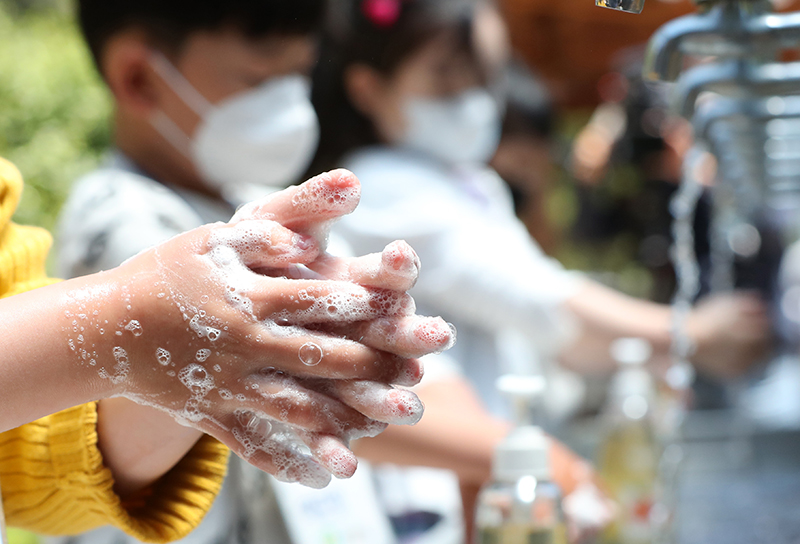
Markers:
(140, 444)
(603, 315)
(37, 360)
(501, 286)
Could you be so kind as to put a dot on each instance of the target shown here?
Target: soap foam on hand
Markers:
(290, 458)
(310, 207)
(410, 336)
(188, 336)
(381, 402)
(348, 303)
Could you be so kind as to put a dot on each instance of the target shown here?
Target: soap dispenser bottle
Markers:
(629, 453)
(521, 505)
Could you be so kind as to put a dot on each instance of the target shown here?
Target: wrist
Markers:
(55, 351)
(96, 330)
(689, 331)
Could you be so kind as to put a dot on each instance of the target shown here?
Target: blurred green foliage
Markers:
(54, 108)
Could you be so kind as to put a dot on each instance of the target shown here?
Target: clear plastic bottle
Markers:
(628, 457)
(521, 505)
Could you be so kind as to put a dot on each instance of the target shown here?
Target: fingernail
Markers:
(436, 333)
(405, 408)
(303, 242)
(313, 475)
(400, 258)
(339, 460)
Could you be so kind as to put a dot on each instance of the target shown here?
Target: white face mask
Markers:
(249, 144)
(458, 130)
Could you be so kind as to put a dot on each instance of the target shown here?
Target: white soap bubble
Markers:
(121, 368)
(196, 379)
(163, 356)
(135, 327)
(225, 394)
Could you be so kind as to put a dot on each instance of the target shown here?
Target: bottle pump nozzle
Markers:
(524, 391)
(525, 451)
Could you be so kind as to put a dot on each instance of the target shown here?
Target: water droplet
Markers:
(310, 354)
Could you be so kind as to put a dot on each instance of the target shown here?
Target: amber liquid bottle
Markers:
(629, 454)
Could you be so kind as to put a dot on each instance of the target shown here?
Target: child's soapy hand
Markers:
(284, 368)
(587, 509)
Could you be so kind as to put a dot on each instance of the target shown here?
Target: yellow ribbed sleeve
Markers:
(51, 471)
(54, 482)
(22, 249)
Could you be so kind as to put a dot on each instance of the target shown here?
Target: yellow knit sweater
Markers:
(51, 471)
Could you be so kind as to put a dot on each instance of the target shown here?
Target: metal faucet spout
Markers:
(758, 110)
(663, 59)
(736, 78)
(727, 29)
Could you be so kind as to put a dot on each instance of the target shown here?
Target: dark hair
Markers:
(529, 108)
(357, 35)
(169, 22)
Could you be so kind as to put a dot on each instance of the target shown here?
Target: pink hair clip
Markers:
(381, 13)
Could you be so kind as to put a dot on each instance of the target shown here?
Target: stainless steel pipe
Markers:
(728, 28)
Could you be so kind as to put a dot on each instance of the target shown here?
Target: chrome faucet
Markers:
(726, 28)
(735, 78)
(734, 94)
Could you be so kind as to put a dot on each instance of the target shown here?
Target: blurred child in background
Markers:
(409, 98)
(417, 120)
(211, 110)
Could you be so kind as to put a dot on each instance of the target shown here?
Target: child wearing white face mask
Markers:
(253, 141)
(405, 101)
(212, 110)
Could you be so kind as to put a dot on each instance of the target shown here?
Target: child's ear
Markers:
(129, 73)
(364, 87)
